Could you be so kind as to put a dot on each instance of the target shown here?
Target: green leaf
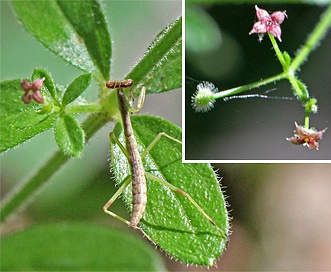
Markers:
(161, 68)
(48, 83)
(69, 135)
(92, 29)
(74, 30)
(305, 94)
(287, 58)
(20, 122)
(170, 220)
(76, 88)
(76, 247)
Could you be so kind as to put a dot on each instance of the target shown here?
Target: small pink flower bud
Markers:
(27, 87)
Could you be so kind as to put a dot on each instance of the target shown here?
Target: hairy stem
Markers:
(313, 40)
(277, 50)
(250, 86)
(87, 108)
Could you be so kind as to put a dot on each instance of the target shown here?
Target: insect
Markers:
(138, 174)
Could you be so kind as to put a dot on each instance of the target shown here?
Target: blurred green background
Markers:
(224, 54)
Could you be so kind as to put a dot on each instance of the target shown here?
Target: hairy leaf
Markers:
(92, 29)
(170, 220)
(74, 30)
(160, 70)
(76, 88)
(69, 135)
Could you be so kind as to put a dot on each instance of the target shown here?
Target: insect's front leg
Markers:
(140, 102)
(126, 181)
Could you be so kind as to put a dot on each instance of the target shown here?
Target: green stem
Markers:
(25, 192)
(86, 108)
(277, 50)
(250, 86)
(313, 40)
(296, 89)
(306, 125)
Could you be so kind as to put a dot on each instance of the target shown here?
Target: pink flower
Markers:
(306, 137)
(35, 86)
(268, 23)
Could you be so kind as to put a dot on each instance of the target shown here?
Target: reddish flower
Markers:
(35, 86)
(306, 137)
(268, 23)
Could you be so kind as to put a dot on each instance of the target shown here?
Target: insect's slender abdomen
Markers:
(139, 188)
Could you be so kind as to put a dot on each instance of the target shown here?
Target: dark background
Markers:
(256, 129)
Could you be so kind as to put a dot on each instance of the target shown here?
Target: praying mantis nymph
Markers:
(139, 187)
(138, 174)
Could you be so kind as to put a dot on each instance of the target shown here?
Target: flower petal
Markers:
(276, 31)
(261, 13)
(278, 16)
(26, 98)
(38, 97)
(258, 28)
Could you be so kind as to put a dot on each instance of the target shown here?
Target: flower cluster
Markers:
(31, 91)
(203, 99)
(268, 23)
(306, 137)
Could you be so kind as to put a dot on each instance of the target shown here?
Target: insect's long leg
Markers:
(126, 182)
(114, 138)
(156, 139)
(172, 187)
(183, 193)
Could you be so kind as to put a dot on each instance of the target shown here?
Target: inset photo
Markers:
(257, 82)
